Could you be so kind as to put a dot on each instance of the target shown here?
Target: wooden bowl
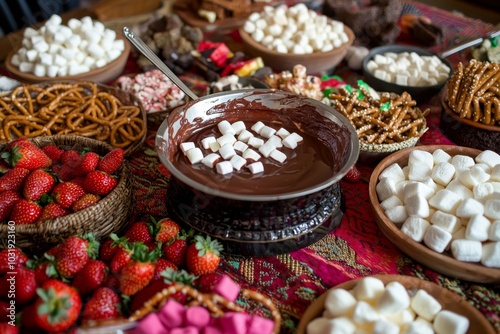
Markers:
(443, 263)
(448, 299)
(315, 63)
(102, 74)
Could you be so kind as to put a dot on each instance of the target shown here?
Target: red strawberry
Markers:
(122, 256)
(54, 251)
(139, 232)
(74, 253)
(67, 193)
(207, 283)
(24, 154)
(8, 199)
(25, 285)
(108, 250)
(28, 315)
(138, 272)
(13, 179)
(70, 158)
(353, 175)
(78, 181)
(43, 267)
(167, 230)
(25, 212)
(99, 183)
(4, 310)
(11, 259)
(52, 211)
(175, 251)
(111, 161)
(203, 256)
(64, 172)
(88, 162)
(85, 201)
(58, 306)
(91, 277)
(8, 328)
(53, 152)
(38, 183)
(161, 265)
(103, 305)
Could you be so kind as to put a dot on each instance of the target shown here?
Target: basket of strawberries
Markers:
(57, 186)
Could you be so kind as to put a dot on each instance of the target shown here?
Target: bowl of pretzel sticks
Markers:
(385, 122)
(471, 106)
(80, 108)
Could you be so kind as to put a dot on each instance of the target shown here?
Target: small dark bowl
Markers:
(417, 93)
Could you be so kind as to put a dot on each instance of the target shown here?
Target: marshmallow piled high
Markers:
(57, 50)
(295, 30)
(236, 147)
(447, 202)
(371, 307)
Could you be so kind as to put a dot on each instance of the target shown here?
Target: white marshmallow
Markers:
(469, 207)
(417, 206)
(292, 140)
(224, 167)
(214, 146)
(445, 200)
(194, 155)
(227, 151)
(368, 289)
(492, 208)
(425, 305)
(238, 126)
(443, 173)
(251, 155)
(436, 238)
(225, 127)
(385, 327)
(385, 188)
(447, 322)
(413, 188)
(431, 184)
(277, 155)
(238, 162)
(256, 167)
(210, 160)
(282, 133)
(446, 221)
(403, 318)
(339, 302)
(390, 202)
(228, 138)
(397, 214)
(419, 171)
(186, 146)
(324, 325)
(52, 71)
(419, 326)
(394, 299)
(267, 131)
(255, 142)
(205, 142)
(266, 149)
(364, 313)
(491, 255)
(276, 141)
(494, 232)
(473, 176)
(419, 156)
(495, 173)
(257, 126)
(245, 135)
(440, 155)
(466, 250)
(483, 190)
(488, 157)
(240, 146)
(462, 161)
(415, 228)
(477, 228)
(40, 70)
(459, 189)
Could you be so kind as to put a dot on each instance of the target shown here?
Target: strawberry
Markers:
(91, 277)
(43, 267)
(122, 256)
(24, 154)
(52, 211)
(11, 259)
(28, 314)
(64, 172)
(74, 253)
(13, 179)
(207, 283)
(53, 152)
(111, 161)
(167, 230)
(161, 265)
(58, 306)
(8, 199)
(88, 162)
(70, 158)
(353, 175)
(38, 183)
(203, 256)
(103, 305)
(8, 328)
(175, 251)
(85, 201)
(67, 193)
(138, 272)
(78, 181)
(99, 183)
(25, 285)
(25, 212)
(107, 250)
(139, 232)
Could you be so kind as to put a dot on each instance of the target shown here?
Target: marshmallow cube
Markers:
(385, 327)
(238, 162)
(276, 141)
(214, 146)
(390, 202)
(385, 188)
(394, 172)
(413, 188)
(282, 133)
(364, 313)
(150, 324)
(459, 189)
(436, 238)
(483, 190)
(466, 250)
(197, 316)
(446, 221)
(443, 173)
(251, 155)
(440, 156)
(339, 302)
(205, 142)
(447, 322)
(40, 70)
(225, 127)
(245, 135)
(491, 255)
(266, 149)
(210, 160)
(462, 161)
(228, 138)
(394, 299)
(492, 208)
(224, 167)
(368, 289)
(418, 171)
(255, 142)
(478, 228)
(278, 156)
(494, 232)
(495, 173)
(234, 322)
(418, 327)
(267, 131)
(488, 157)
(227, 288)
(238, 127)
(227, 151)
(415, 228)
(259, 325)
(240, 146)
(419, 156)
(194, 155)
(402, 318)
(397, 214)
(256, 167)
(425, 305)
(445, 200)
(417, 206)
(324, 325)
(171, 314)
(469, 207)
(257, 127)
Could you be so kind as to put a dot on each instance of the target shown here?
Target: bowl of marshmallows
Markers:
(286, 36)
(82, 49)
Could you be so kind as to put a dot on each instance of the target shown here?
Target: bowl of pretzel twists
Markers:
(471, 106)
(385, 122)
(80, 108)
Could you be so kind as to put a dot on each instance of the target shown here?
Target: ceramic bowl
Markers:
(417, 93)
(102, 75)
(270, 213)
(316, 63)
(443, 263)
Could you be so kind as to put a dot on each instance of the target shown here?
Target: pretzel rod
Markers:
(466, 85)
(453, 86)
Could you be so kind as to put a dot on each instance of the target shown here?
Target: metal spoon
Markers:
(148, 53)
(468, 44)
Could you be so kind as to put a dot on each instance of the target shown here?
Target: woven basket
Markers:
(110, 214)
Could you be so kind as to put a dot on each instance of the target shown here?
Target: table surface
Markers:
(357, 247)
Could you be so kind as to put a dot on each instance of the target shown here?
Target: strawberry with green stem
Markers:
(13, 179)
(175, 251)
(137, 273)
(37, 184)
(105, 304)
(67, 193)
(112, 161)
(140, 232)
(44, 268)
(203, 255)
(91, 277)
(23, 153)
(166, 230)
(99, 183)
(74, 253)
(25, 212)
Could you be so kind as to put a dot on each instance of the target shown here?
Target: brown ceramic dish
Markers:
(448, 299)
(443, 263)
(316, 63)
(103, 74)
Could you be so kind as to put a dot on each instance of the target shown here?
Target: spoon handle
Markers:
(149, 54)
(466, 45)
